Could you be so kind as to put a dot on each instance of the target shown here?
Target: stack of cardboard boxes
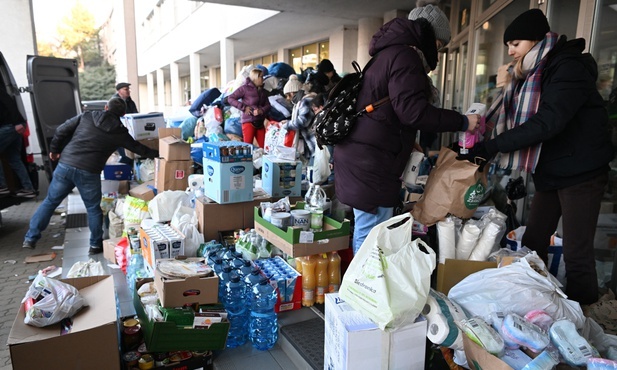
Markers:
(174, 166)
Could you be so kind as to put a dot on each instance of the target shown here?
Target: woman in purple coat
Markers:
(252, 100)
(370, 161)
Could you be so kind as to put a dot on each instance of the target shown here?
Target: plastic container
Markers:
(309, 281)
(263, 322)
(236, 306)
(224, 277)
(334, 272)
(322, 278)
(299, 264)
(135, 269)
(317, 202)
(466, 140)
(246, 267)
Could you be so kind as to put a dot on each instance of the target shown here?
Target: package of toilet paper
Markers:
(442, 316)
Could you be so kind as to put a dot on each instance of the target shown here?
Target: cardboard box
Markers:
(152, 143)
(281, 178)
(143, 125)
(145, 191)
(335, 236)
(93, 340)
(228, 182)
(221, 151)
(353, 341)
(115, 186)
(213, 217)
(109, 249)
(117, 171)
(180, 292)
(478, 358)
(172, 175)
(161, 336)
(453, 271)
(173, 148)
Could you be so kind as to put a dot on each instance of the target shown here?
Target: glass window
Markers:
(485, 4)
(295, 58)
(604, 50)
(563, 16)
(309, 56)
(324, 50)
(463, 14)
(491, 52)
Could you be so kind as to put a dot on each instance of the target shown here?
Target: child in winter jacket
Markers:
(252, 100)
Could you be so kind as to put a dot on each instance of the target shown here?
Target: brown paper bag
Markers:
(453, 187)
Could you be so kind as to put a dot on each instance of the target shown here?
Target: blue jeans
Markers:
(365, 221)
(10, 143)
(65, 178)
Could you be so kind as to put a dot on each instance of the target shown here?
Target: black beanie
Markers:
(325, 66)
(531, 25)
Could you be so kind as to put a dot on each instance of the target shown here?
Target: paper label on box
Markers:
(236, 182)
(306, 236)
(179, 174)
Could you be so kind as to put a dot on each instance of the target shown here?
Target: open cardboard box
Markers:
(335, 236)
(91, 343)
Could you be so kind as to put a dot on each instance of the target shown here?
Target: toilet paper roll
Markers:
(442, 315)
(486, 242)
(447, 239)
(467, 242)
(438, 329)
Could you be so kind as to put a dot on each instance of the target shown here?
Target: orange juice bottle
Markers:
(299, 264)
(308, 280)
(334, 272)
(322, 278)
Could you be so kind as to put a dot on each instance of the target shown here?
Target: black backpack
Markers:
(338, 116)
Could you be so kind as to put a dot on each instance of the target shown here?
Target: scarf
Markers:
(519, 102)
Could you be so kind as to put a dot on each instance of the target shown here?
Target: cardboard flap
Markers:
(169, 131)
(98, 292)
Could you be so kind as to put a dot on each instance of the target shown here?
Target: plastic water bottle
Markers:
(224, 277)
(246, 268)
(317, 202)
(263, 323)
(234, 300)
(135, 268)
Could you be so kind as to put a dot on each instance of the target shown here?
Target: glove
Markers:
(480, 154)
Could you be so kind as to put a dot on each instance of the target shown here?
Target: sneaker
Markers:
(4, 191)
(28, 244)
(95, 250)
(24, 193)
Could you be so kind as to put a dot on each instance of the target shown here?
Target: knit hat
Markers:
(325, 66)
(437, 18)
(292, 85)
(531, 25)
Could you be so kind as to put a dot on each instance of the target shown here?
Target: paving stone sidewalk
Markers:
(14, 272)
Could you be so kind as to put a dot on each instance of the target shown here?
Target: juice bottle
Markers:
(334, 272)
(299, 264)
(322, 278)
(308, 280)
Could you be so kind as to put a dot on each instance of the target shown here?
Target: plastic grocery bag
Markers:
(185, 220)
(54, 301)
(389, 278)
(86, 268)
(321, 165)
(164, 204)
(520, 287)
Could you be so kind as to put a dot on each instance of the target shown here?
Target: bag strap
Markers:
(371, 107)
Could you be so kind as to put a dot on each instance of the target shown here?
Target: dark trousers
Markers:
(579, 206)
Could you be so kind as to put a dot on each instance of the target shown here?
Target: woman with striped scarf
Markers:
(551, 122)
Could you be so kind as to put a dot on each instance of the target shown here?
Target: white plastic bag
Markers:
(59, 301)
(389, 278)
(185, 221)
(516, 288)
(86, 268)
(321, 165)
(164, 204)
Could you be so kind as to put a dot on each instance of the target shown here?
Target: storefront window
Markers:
(309, 55)
(485, 4)
(491, 52)
(464, 13)
(563, 15)
(604, 50)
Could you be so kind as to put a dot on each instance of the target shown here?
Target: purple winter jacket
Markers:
(370, 161)
(249, 95)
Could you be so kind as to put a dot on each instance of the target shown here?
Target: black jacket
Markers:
(130, 104)
(87, 140)
(571, 121)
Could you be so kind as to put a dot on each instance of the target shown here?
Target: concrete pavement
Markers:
(14, 272)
